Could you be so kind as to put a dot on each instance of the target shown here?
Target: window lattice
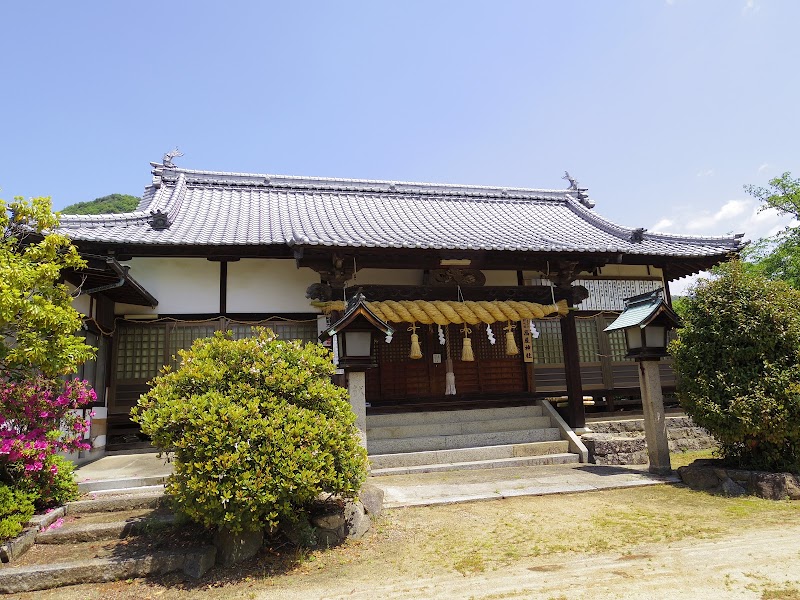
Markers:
(548, 347)
(140, 351)
(142, 348)
(588, 342)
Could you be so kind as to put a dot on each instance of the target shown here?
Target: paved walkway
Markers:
(425, 488)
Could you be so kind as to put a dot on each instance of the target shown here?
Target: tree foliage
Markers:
(737, 360)
(777, 257)
(38, 325)
(38, 346)
(113, 203)
(257, 429)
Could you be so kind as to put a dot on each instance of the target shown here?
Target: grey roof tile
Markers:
(213, 208)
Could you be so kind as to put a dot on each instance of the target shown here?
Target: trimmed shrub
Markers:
(737, 360)
(16, 507)
(257, 429)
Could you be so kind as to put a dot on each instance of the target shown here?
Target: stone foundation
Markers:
(623, 442)
(708, 476)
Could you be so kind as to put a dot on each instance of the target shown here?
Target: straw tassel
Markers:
(466, 351)
(449, 379)
(511, 344)
(416, 352)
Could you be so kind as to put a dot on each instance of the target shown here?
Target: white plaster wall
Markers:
(387, 277)
(501, 277)
(82, 303)
(181, 285)
(270, 285)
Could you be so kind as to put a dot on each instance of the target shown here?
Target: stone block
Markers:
(236, 547)
(197, 563)
(330, 520)
(371, 497)
(357, 522)
(13, 549)
(731, 488)
(771, 486)
(700, 477)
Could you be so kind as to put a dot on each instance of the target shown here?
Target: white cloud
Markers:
(662, 225)
(740, 215)
(764, 167)
(706, 173)
(750, 7)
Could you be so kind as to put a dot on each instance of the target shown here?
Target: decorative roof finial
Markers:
(574, 186)
(170, 155)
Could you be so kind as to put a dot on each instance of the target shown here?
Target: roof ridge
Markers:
(625, 233)
(266, 179)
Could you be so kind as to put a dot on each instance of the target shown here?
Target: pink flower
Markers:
(54, 469)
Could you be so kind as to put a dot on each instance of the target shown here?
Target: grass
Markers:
(681, 459)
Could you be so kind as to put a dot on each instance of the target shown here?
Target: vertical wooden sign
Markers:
(527, 341)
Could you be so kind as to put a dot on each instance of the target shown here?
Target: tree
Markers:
(38, 325)
(38, 346)
(737, 360)
(777, 257)
(113, 203)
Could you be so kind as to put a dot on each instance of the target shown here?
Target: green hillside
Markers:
(113, 203)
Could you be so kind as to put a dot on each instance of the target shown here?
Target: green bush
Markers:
(737, 360)
(16, 507)
(54, 485)
(257, 429)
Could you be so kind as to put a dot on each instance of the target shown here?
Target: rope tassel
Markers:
(466, 351)
(511, 344)
(416, 352)
(449, 379)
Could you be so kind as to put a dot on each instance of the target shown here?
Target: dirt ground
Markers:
(657, 542)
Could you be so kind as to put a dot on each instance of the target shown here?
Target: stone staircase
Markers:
(468, 439)
(109, 537)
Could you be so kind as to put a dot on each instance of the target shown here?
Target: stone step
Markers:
(456, 428)
(129, 500)
(101, 485)
(452, 416)
(46, 567)
(462, 455)
(524, 461)
(468, 440)
(76, 531)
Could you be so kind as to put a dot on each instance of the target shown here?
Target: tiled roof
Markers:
(187, 207)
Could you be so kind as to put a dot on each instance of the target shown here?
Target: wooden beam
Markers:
(534, 293)
(576, 414)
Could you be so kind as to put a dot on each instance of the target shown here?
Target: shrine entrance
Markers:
(400, 378)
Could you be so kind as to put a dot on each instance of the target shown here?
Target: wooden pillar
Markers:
(576, 415)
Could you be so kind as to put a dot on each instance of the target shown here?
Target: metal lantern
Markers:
(646, 322)
(354, 334)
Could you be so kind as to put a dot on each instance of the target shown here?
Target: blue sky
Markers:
(663, 109)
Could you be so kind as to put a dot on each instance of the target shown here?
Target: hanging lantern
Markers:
(416, 352)
(466, 351)
(511, 344)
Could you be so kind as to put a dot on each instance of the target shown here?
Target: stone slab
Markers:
(440, 488)
(128, 501)
(16, 580)
(452, 416)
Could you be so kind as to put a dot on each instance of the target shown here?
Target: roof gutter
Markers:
(124, 278)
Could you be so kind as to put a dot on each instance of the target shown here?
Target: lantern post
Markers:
(646, 321)
(354, 335)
